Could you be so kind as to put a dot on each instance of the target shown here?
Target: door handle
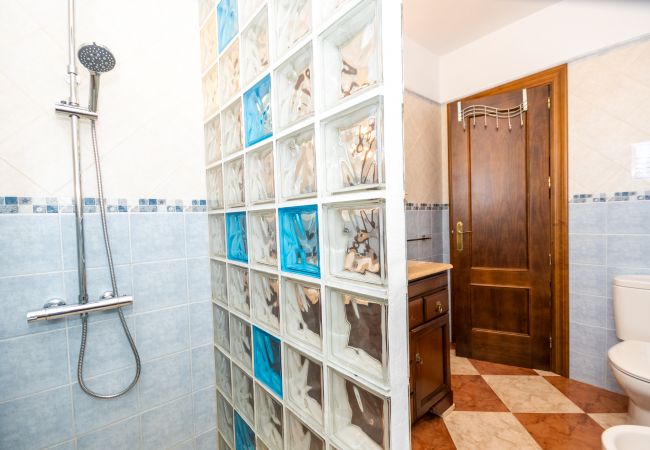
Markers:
(459, 236)
(418, 359)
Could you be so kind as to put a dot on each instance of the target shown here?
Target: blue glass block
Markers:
(244, 435)
(227, 22)
(299, 240)
(268, 360)
(257, 112)
(236, 233)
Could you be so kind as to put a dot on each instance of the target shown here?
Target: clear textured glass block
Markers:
(236, 233)
(221, 327)
(222, 444)
(330, 7)
(257, 112)
(225, 419)
(212, 137)
(243, 395)
(218, 278)
(240, 341)
(302, 312)
(238, 289)
(222, 372)
(231, 129)
(217, 227)
(297, 165)
(234, 192)
(247, 8)
(229, 73)
(260, 175)
(294, 88)
(305, 386)
(255, 47)
(359, 417)
(244, 434)
(227, 21)
(357, 241)
(300, 437)
(299, 240)
(265, 299)
(210, 83)
(352, 53)
(208, 41)
(267, 360)
(214, 188)
(268, 418)
(205, 8)
(293, 22)
(260, 445)
(355, 148)
(263, 242)
(357, 336)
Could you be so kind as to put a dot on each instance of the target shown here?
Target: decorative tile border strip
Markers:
(426, 206)
(54, 205)
(624, 196)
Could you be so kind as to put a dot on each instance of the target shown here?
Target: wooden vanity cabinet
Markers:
(430, 376)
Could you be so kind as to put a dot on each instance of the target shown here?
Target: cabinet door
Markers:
(429, 344)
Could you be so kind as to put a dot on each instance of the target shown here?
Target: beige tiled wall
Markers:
(609, 94)
(425, 150)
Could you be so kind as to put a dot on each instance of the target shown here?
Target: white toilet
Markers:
(630, 359)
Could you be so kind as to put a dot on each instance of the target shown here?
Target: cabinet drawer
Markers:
(428, 284)
(436, 304)
(416, 312)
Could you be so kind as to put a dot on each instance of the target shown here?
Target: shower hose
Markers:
(111, 268)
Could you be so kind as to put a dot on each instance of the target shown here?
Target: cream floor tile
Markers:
(488, 431)
(461, 366)
(607, 420)
(546, 373)
(530, 394)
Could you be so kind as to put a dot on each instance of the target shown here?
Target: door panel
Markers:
(499, 190)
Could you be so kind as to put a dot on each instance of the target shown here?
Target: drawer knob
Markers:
(439, 307)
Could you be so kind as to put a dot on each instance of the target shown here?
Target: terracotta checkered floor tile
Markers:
(504, 407)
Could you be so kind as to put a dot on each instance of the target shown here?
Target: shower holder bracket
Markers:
(57, 309)
(70, 109)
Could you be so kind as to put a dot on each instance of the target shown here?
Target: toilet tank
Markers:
(632, 307)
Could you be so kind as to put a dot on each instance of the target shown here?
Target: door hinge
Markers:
(550, 342)
(550, 259)
(549, 182)
(548, 102)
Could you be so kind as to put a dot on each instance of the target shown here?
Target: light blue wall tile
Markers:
(201, 331)
(92, 414)
(38, 421)
(196, 234)
(587, 249)
(27, 293)
(118, 232)
(588, 340)
(412, 250)
(33, 363)
(206, 441)
(588, 310)
(30, 243)
(411, 224)
(612, 339)
(587, 280)
(205, 410)
(159, 285)
(203, 367)
(609, 318)
(69, 445)
(628, 217)
(107, 348)
(628, 251)
(165, 379)
(588, 218)
(157, 236)
(167, 425)
(587, 368)
(198, 270)
(162, 332)
(187, 445)
(611, 383)
(436, 221)
(122, 435)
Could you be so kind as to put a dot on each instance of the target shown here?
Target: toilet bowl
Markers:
(630, 359)
(626, 437)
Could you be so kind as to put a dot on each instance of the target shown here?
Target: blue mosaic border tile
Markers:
(53, 205)
(623, 196)
(426, 206)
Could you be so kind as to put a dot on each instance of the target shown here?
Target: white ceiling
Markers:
(445, 25)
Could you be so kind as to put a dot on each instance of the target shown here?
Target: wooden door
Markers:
(500, 192)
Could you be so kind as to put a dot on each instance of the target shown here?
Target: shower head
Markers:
(97, 59)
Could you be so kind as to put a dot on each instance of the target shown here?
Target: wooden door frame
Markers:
(556, 78)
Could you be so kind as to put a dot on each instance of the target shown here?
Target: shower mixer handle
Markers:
(56, 309)
(70, 109)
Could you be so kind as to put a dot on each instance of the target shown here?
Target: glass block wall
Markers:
(296, 145)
